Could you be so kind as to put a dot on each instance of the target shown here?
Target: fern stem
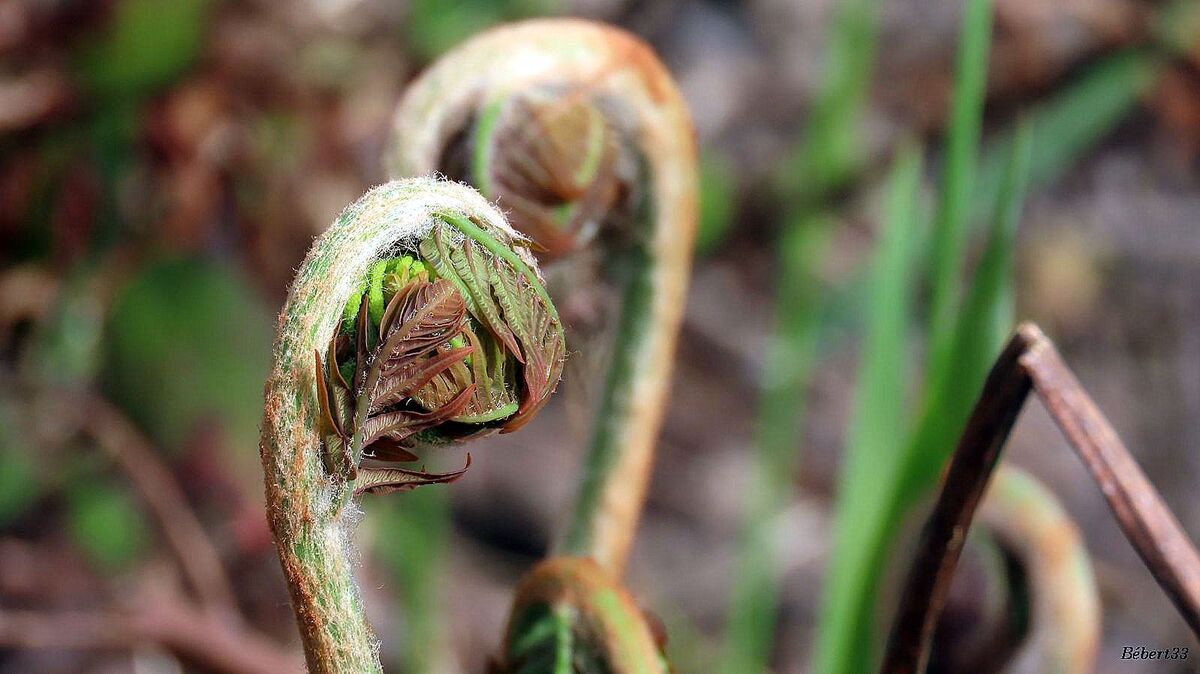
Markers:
(303, 500)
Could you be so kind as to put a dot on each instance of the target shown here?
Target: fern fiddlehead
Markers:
(417, 320)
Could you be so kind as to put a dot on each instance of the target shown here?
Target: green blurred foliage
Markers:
(434, 26)
(1176, 26)
(67, 350)
(981, 326)
(20, 484)
(791, 352)
(144, 47)
(55, 156)
(871, 502)
(718, 194)
(951, 221)
(332, 64)
(412, 537)
(825, 159)
(18, 481)
(689, 649)
(829, 154)
(147, 45)
(879, 414)
(188, 340)
(105, 522)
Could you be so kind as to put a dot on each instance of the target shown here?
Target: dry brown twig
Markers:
(1030, 362)
(190, 545)
(209, 630)
(171, 622)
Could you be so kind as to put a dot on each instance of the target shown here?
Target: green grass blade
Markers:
(830, 151)
(1070, 122)
(718, 196)
(961, 154)
(789, 357)
(978, 334)
(879, 411)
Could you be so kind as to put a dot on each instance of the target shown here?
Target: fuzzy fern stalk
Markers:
(417, 321)
(578, 131)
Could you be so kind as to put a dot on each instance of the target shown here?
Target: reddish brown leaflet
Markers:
(410, 351)
(1030, 362)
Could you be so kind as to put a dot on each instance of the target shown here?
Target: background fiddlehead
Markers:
(432, 276)
(573, 126)
(569, 615)
(1025, 596)
(1064, 602)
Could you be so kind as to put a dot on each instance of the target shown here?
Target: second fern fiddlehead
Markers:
(579, 132)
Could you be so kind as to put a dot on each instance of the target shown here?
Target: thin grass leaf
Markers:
(1051, 139)
(1070, 122)
(828, 154)
(978, 335)
(830, 147)
(879, 410)
(788, 362)
(958, 173)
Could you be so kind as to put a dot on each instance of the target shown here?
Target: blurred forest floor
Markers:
(164, 167)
